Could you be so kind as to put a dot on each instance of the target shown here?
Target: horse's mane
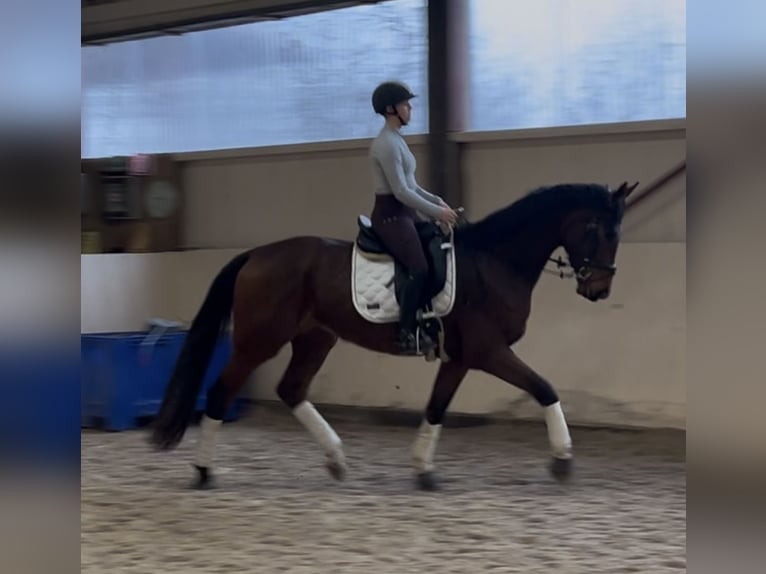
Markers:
(547, 201)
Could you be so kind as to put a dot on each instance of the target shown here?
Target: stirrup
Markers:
(422, 343)
(431, 350)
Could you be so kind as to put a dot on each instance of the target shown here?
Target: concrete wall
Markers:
(616, 362)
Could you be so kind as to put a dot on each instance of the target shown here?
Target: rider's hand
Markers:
(448, 215)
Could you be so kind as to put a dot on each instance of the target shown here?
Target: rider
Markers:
(398, 201)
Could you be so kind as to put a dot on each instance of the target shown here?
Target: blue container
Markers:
(124, 375)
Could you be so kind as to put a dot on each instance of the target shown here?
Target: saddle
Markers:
(432, 239)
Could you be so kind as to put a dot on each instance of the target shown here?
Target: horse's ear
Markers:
(625, 190)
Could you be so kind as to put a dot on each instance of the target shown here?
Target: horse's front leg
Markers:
(447, 381)
(504, 364)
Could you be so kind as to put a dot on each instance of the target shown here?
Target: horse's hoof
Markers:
(336, 469)
(427, 481)
(561, 468)
(204, 480)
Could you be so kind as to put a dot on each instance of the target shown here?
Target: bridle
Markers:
(585, 271)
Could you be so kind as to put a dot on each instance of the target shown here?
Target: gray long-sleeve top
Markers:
(393, 171)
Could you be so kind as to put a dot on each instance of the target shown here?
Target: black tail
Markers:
(181, 393)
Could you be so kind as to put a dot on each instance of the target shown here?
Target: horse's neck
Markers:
(527, 251)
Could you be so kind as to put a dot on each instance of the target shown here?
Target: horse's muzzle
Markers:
(585, 289)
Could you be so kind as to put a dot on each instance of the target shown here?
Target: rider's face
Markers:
(405, 111)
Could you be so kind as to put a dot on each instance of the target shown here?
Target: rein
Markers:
(583, 273)
(561, 265)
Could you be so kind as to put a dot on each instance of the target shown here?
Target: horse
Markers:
(298, 291)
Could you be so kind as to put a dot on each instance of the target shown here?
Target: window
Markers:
(564, 62)
(306, 78)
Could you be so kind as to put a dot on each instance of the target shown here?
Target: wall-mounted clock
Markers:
(161, 199)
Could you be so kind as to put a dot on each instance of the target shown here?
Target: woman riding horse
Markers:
(398, 199)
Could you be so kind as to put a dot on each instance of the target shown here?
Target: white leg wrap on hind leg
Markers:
(425, 446)
(206, 445)
(319, 428)
(558, 432)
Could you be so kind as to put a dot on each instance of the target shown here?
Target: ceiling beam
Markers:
(122, 20)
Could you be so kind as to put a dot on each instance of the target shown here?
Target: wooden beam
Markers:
(658, 184)
(123, 20)
(448, 91)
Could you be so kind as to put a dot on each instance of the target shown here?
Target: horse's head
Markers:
(590, 237)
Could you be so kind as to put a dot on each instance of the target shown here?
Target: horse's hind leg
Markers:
(310, 349)
(219, 397)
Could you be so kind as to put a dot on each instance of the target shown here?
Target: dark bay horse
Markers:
(298, 291)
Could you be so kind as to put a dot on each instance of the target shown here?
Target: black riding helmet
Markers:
(390, 94)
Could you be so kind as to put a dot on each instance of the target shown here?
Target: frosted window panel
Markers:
(572, 62)
(303, 79)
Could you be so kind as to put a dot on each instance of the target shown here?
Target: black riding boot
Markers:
(408, 323)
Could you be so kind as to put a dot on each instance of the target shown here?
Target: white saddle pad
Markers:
(372, 287)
